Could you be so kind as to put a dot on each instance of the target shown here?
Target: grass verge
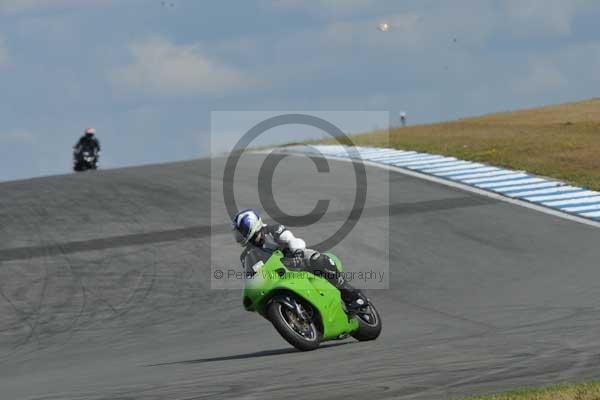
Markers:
(580, 391)
(559, 141)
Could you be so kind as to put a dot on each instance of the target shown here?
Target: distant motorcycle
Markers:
(85, 159)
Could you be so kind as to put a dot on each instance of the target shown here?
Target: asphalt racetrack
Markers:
(105, 289)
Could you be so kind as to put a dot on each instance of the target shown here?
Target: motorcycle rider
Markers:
(88, 140)
(249, 230)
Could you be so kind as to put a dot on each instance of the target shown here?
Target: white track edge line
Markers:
(468, 188)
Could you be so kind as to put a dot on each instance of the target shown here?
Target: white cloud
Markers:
(579, 64)
(542, 16)
(22, 6)
(570, 72)
(17, 136)
(4, 57)
(544, 76)
(163, 68)
(325, 7)
(448, 27)
(403, 30)
(16, 6)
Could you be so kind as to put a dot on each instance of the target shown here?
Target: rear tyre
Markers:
(369, 324)
(301, 334)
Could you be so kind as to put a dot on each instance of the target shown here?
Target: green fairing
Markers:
(274, 278)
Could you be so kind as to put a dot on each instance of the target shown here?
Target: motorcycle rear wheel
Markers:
(369, 324)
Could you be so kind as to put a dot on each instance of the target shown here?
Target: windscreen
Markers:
(252, 257)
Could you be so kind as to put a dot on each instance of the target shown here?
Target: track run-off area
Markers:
(105, 289)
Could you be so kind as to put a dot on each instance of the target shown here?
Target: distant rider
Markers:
(249, 230)
(88, 141)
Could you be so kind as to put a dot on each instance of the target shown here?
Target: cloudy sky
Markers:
(148, 73)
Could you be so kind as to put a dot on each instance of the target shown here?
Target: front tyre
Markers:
(369, 324)
(300, 333)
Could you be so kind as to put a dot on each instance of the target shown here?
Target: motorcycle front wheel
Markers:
(296, 330)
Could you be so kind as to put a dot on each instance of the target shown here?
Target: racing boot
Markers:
(324, 266)
(353, 298)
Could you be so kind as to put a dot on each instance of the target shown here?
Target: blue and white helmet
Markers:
(246, 224)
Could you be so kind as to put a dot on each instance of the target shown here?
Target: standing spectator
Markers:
(403, 119)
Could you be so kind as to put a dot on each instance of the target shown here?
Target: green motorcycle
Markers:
(304, 308)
